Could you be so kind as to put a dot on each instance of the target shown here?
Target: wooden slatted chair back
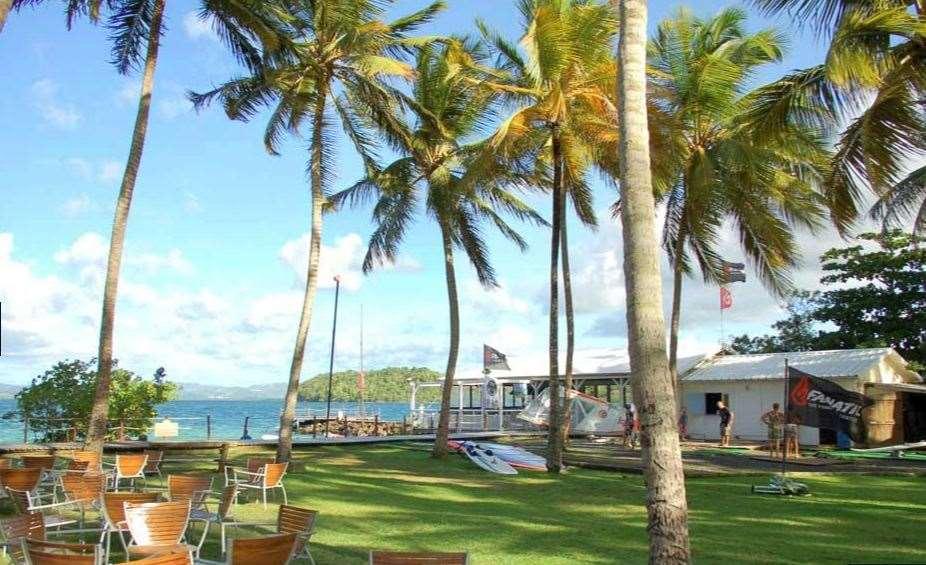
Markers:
(274, 473)
(130, 465)
(83, 486)
(189, 487)
(92, 458)
(114, 504)
(14, 530)
(228, 500)
(295, 520)
(155, 456)
(22, 501)
(418, 558)
(173, 558)
(53, 553)
(38, 461)
(20, 479)
(75, 465)
(5, 463)
(255, 464)
(269, 550)
(157, 523)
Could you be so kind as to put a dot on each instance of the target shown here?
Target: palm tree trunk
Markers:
(554, 437)
(285, 442)
(99, 414)
(652, 389)
(570, 334)
(5, 6)
(443, 425)
(676, 313)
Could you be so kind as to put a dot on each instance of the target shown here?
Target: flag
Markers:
(820, 403)
(733, 272)
(494, 359)
(361, 381)
(726, 298)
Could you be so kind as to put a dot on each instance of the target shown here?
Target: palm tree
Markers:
(338, 56)
(134, 25)
(562, 111)
(870, 90)
(652, 388)
(448, 106)
(697, 73)
(72, 9)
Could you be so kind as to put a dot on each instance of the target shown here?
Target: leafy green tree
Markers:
(560, 87)
(389, 384)
(653, 394)
(447, 106)
(58, 402)
(713, 169)
(339, 55)
(869, 90)
(878, 300)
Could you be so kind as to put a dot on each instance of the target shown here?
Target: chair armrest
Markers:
(61, 504)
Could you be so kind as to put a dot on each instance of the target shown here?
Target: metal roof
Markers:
(764, 366)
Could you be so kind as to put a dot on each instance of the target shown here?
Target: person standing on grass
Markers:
(774, 419)
(726, 423)
(683, 424)
(792, 436)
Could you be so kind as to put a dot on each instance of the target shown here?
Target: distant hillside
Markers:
(197, 391)
(383, 385)
(8, 391)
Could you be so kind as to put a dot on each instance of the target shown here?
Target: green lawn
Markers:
(400, 498)
(397, 497)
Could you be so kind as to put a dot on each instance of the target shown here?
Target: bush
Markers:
(59, 401)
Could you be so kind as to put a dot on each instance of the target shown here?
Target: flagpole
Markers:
(362, 376)
(784, 436)
(334, 329)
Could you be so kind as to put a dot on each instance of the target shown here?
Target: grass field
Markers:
(397, 497)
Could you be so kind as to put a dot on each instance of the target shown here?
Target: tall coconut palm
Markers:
(698, 72)
(136, 28)
(871, 87)
(667, 508)
(560, 93)
(448, 106)
(72, 9)
(338, 59)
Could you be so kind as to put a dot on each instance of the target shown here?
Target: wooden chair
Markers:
(46, 462)
(129, 467)
(16, 529)
(40, 552)
(153, 465)
(270, 550)
(194, 488)
(424, 558)
(173, 558)
(92, 458)
(20, 481)
(5, 463)
(253, 465)
(114, 515)
(222, 517)
(157, 527)
(269, 477)
(85, 488)
(299, 521)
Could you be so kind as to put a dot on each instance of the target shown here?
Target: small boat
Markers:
(270, 437)
(515, 456)
(484, 458)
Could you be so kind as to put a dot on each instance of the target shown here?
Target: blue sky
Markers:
(216, 241)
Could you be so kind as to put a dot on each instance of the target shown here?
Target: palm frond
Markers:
(130, 26)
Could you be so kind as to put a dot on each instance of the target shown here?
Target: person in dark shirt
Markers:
(726, 423)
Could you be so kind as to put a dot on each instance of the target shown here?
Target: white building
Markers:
(749, 384)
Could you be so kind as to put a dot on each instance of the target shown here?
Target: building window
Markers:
(712, 398)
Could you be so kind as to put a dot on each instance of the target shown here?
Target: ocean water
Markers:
(227, 416)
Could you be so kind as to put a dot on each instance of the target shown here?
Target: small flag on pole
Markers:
(726, 298)
(733, 272)
(494, 359)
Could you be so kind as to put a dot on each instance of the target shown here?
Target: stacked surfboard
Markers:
(499, 458)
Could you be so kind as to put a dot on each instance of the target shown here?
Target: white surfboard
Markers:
(487, 461)
(515, 456)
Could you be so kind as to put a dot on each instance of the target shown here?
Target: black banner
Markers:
(494, 359)
(820, 403)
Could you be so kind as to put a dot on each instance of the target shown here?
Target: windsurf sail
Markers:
(589, 414)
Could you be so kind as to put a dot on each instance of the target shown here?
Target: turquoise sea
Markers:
(227, 416)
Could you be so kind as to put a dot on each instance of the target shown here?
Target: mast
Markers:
(362, 382)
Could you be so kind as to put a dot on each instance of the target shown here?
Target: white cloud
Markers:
(77, 205)
(191, 204)
(110, 171)
(79, 167)
(491, 302)
(174, 105)
(151, 263)
(129, 92)
(54, 112)
(198, 28)
(344, 259)
(107, 171)
(88, 255)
